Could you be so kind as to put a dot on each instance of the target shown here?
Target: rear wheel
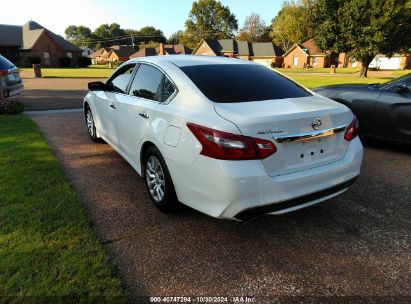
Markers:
(158, 181)
(91, 127)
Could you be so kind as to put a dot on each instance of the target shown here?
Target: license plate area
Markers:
(310, 152)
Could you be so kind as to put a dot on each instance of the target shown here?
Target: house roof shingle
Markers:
(244, 48)
(123, 50)
(311, 47)
(30, 37)
(258, 49)
(171, 49)
(26, 36)
(144, 52)
(266, 49)
(10, 35)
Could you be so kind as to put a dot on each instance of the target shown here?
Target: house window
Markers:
(46, 56)
(70, 55)
(295, 60)
(315, 61)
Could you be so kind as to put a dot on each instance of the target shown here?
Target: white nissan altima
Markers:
(230, 138)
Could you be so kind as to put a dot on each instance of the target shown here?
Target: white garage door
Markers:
(266, 62)
(385, 63)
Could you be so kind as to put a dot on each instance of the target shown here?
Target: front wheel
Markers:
(91, 127)
(158, 181)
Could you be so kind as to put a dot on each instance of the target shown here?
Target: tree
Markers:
(209, 19)
(150, 33)
(79, 35)
(254, 29)
(109, 34)
(132, 37)
(175, 37)
(361, 28)
(290, 24)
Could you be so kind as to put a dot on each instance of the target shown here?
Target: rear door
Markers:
(149, 88)
(106, 102)
(393, 111)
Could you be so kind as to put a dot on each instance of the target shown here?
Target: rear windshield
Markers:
(229, 83)
(5, 64)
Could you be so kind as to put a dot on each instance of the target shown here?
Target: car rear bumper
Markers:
(243, 189)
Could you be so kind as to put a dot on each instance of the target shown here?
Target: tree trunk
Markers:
(365, 63)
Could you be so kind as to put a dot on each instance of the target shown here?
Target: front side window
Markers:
(228, 83)
(121, 78)
(70, 55)
(315, 60)
(150, 83)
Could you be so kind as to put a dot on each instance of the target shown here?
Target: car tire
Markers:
(158, 181)
(91, 127)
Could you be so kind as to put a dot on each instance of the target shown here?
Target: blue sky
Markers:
(167, 15)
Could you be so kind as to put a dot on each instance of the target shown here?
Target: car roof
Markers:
(190, 60)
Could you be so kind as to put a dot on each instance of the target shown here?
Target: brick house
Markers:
(163, 49)
(265, 53)
(33, 43)
(100, 56)
(307, 55)
(120, 53)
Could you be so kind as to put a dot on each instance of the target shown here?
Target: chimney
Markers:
(161, 49)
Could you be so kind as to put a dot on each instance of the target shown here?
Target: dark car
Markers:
(383, 110)
(10, 80)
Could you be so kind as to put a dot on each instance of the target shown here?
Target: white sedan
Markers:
(230, 138)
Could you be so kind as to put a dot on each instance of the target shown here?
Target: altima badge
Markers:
(316, 124)
(271, 131)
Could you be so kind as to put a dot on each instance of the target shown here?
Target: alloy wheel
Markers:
(90, 123)
(155, 178)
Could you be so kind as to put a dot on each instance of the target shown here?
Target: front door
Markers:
(106, 103)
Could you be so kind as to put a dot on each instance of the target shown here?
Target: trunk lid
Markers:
(272, 119)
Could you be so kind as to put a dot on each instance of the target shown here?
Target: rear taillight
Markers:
(227, 146)
(352, 130)
(4, 72)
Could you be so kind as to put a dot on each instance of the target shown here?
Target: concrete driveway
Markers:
(356, 245)
(54, 93)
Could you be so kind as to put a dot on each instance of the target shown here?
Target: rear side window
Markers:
(5, 64)
(150, 83)
(229, 83)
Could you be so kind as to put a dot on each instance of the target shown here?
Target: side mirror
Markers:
(401, 89)
(98, 86)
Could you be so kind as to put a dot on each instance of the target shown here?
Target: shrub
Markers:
(84, 62)
(10, 106)
(65, 62)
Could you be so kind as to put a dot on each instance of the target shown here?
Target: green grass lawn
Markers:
(319, 70)
(88, 72)
(312, 82)
(47, 247)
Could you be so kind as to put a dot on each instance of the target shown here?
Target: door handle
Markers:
(143, 114)
(113, 106)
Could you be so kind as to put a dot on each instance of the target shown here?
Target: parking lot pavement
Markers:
(355, 245)
(54, 93)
